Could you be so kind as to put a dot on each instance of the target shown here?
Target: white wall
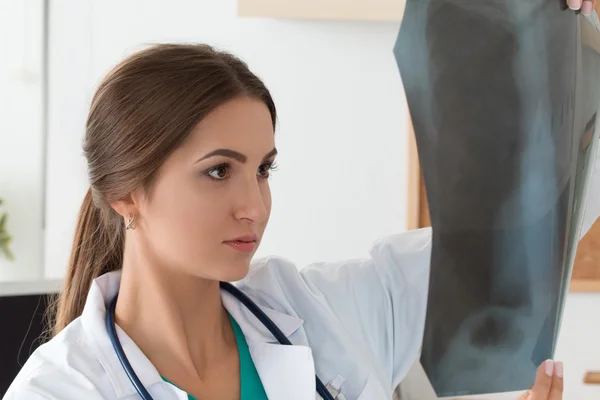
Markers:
(342, 134)
(70, 90)
(21, 135)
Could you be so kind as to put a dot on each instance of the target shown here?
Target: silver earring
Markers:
(131, 222)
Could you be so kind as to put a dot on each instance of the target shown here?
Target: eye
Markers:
(218, 172)
(264, 171)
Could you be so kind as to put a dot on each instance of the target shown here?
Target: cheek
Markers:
(266, 194)
(185, 222)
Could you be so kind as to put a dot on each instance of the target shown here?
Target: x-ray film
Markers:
(503, 96)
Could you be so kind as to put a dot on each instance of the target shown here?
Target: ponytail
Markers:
(97, 249)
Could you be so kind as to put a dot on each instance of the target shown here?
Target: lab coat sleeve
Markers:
(382, 299)
(51, 381)
(25, 394)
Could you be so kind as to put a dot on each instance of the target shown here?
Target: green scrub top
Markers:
(251, 386)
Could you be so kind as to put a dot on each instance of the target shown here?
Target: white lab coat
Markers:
(357, 323)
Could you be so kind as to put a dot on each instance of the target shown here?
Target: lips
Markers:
(245, 244)
(245, 238)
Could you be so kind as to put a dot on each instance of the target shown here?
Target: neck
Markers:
(177, 320)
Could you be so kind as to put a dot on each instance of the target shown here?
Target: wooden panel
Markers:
(357, 10)
(418, 208)
(586, 272)
(592, 378)
(424, 218)
(415, 181)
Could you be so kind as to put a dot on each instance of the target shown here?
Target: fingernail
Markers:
(558, 367)
(587, 7)
(549, 367)
(574, 4)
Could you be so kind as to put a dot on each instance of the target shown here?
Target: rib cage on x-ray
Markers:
(503, 95)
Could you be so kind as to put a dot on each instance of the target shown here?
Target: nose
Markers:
(253, 202)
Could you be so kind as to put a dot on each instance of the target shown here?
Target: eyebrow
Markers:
(233, 154)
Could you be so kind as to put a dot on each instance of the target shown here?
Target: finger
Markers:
(543, 382)
(556, 390)
(574, 4)
(587, 7)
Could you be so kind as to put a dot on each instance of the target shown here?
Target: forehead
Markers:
(243, 124)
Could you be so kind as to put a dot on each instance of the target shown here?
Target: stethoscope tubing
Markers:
(238, 294)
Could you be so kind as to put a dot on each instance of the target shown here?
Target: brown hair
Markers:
(143, 110)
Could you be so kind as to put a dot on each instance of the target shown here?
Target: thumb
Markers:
(543, 383)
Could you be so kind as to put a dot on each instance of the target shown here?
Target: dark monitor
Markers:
(23, 322)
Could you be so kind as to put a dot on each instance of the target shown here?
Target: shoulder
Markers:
(370, 309)
(63, 362)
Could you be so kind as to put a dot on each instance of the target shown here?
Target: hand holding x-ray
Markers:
(548, 383)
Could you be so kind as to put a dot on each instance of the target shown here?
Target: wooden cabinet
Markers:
(586, 272)
(357, 10)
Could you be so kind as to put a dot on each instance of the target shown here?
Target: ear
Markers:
(125, 207)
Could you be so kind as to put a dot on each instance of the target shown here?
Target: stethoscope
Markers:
(258, 313)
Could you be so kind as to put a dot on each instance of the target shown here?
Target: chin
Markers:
(235, 271)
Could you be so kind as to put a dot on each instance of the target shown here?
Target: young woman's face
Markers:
(210, 202)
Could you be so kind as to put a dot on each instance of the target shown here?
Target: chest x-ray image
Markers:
(503, 95)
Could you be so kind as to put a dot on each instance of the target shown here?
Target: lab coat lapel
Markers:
(286, 372)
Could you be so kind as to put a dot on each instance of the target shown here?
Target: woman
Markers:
(180, 144)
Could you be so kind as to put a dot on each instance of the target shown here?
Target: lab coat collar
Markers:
(253, 329)
(259, 339)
